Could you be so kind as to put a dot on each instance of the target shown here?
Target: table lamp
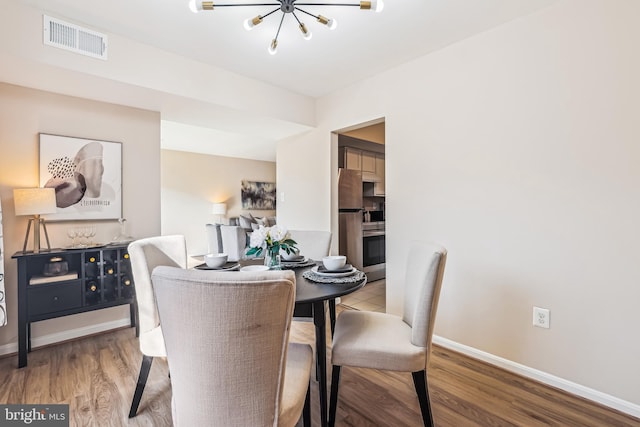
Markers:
(219, 209)
(36, 202)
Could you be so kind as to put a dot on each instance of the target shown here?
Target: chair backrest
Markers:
(145, 255)
(425, 268)
(313, 244)
(226, 336)
(228, 239)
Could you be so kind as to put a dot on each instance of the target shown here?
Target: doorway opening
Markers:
(362, 209)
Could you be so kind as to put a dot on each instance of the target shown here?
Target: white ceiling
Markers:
(365, 43)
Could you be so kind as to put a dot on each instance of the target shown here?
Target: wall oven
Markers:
(373, 251)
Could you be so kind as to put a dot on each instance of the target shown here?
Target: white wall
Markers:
(24, 113)
(518, 150)
(304, 177)
(191, 183)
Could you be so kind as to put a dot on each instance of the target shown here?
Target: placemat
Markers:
(356, 277)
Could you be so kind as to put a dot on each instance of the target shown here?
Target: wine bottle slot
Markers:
(108, 268)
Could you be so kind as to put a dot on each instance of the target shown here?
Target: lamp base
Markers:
(37, 221)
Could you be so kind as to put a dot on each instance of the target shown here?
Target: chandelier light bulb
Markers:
(306, 34)
(252, 22)
(377, 5)
(193, 6)
(273, 47)
(329, 22)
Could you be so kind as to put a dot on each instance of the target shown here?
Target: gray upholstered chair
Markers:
(384, 341)
(227, 338)
(228, 239)
(312, 244)
(145, 255)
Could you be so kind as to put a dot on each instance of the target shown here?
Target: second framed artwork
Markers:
(86, 175)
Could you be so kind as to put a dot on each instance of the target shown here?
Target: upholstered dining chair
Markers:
(227, 338)
(397, 343)
(145, 255)
(316, 244)
(313, 244)
(229, 239)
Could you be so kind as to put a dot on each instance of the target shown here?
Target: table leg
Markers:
(332, 315)
(319, 320)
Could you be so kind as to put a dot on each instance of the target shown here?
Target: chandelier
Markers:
(287, 7)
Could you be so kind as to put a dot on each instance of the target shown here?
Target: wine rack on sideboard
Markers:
(103, 280)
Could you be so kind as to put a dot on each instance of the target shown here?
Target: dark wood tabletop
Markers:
(308, 291)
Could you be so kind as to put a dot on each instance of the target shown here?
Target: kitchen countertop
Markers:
(373, 225)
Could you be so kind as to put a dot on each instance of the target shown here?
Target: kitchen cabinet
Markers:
(353, 158)
(379, 187)
(368, 162)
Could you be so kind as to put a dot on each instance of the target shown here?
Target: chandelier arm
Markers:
(280, 26)
(304, 11)
(296, 16)
(327, 4)
(270, 13)
(247, 4)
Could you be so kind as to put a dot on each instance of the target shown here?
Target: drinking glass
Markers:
(73, 234)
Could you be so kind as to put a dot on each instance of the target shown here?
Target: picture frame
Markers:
(257, 195)
(86, 174)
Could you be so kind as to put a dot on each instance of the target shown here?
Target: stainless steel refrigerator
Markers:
(350, 215)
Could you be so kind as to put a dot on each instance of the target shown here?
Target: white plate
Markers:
(329, 274)
(254, 268)
(229, 266)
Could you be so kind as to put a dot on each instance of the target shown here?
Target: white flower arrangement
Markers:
(272, 239)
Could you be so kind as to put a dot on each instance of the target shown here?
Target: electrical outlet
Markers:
(541, 317)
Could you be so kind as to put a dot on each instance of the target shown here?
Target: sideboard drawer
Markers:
(51, 298)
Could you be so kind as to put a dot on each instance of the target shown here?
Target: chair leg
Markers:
(142, 381)
(306, 410)
(333, 401)
(420, 382)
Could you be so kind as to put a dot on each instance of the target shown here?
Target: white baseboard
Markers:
(543, 377)
(67, 335)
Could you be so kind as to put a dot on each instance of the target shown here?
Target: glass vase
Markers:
(272, 259)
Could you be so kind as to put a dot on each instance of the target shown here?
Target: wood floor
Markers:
(96, 376)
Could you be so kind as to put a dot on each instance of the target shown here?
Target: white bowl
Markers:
(289, 256)
(215, 260)
(254, 268)
(334, 262)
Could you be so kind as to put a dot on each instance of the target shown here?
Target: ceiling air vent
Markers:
(71, 37)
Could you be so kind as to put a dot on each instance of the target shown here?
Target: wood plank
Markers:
(96, 376)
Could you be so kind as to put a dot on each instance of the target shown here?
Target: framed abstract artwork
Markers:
(86, 175)
(258, 195)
